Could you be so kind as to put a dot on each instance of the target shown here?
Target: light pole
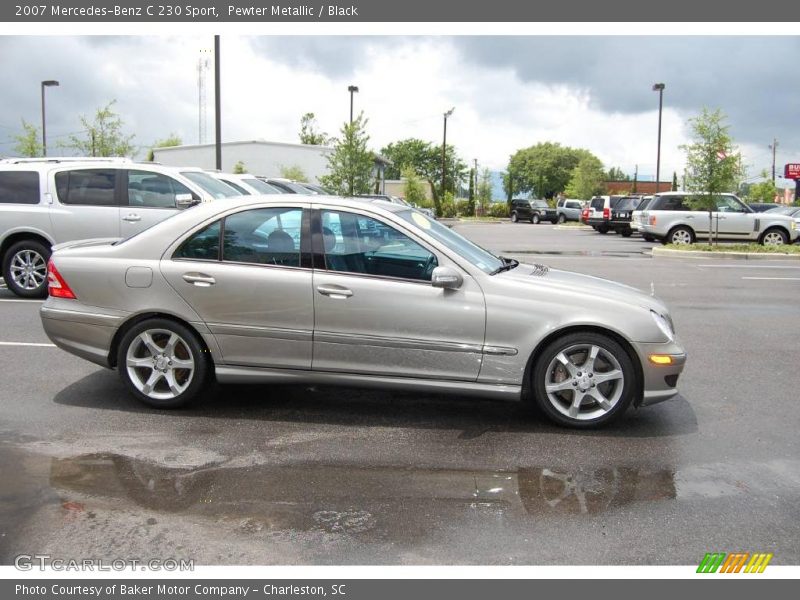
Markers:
(659, 87)
(45, 84)
(353, 89)
(217, 105)
(444, 150)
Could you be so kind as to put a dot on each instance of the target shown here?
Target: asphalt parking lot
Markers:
(298, 475)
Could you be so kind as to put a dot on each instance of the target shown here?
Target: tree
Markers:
(351, 163)
(239, 168)
(308, 131)
(426, 160)
(471, 193)
(28, 143)
(587, 179)
(616, 174)
(485, 190)
(763, 191)
(104, 135)
(171, 140)
(413, 188)
(674, 181)
(293, 172)
(544, 169)
(713, 162)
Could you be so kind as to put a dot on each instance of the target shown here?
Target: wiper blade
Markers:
(508, 264)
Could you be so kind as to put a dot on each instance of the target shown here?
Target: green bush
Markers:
(463, 208)
(498, 209)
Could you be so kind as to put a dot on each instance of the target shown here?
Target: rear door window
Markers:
(669, 203)
(598, 203)
(269, 236)
(19, 187)
(88, 187)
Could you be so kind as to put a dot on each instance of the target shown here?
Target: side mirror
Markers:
(447, 278)
(185, 200)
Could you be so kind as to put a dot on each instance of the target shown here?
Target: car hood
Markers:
(541, 276)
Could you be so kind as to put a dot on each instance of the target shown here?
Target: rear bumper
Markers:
(660, 381)
(81, 330)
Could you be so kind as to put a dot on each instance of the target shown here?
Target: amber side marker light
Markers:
(660, 359)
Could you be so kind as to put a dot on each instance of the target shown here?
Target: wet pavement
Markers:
(298, 475)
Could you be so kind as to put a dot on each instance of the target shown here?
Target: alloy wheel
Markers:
(160, 364)
(584, 381)
(681, 237)
(28, 269)
(774, 238)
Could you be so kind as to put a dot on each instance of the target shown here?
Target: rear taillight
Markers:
(606, 213)
(56, 286)
(652, 220)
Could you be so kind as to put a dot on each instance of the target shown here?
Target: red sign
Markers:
(792, 171)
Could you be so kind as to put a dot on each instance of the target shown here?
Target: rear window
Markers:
(19, 187)
(668, 203)
(598, 203)
(627, 203)
(88, 187)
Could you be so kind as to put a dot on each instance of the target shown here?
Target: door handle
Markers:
(334, 291)
(199, 279)
(132, 218)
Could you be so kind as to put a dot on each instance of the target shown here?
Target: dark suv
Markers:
(601, 211)
(534, 211)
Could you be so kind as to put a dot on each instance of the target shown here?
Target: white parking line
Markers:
(34, 344)
(20, 300)
(748, 267)
(773, 278)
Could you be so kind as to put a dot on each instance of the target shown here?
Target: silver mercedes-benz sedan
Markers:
(323, 290)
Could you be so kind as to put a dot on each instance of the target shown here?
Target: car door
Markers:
(733, 220)
(376, 311)
(148, 198)
(253, 288)
(86, 203)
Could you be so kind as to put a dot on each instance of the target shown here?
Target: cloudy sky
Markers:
(508, 92)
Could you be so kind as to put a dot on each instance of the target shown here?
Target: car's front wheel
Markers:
(584, 379)
(163, 363)
(535, 218)
(774, 237)
(514, 217)
(25, 269)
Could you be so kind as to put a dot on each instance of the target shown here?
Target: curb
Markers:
(669, 253)
(574, 227)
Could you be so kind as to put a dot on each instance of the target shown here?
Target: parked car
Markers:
(585, 215)
(568, 210)
(622, 216)
(670, 219)
(397, 200)
(638, 216)
(287, 186)
(534, 211)
(789, 211)
(762, 206)
(51, 201)
(314, 188)
(379, 294)
(600, 208)
(246, 184)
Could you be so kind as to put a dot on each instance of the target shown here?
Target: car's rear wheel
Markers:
(163, 363)
(774, 237)
(626, 233)
(680, 236)
(514, 217)
(584, 379)
(535, 218)
(648, 238)
(25, 269)
(562, 219)
(602, 229)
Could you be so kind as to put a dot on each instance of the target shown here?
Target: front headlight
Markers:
(663, 325)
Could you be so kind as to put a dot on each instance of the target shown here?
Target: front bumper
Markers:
(660, 381)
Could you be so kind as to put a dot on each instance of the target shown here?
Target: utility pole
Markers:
(636, 178)
(659, 87)
(217, 105)
(353, 89)
(444, 151)
(774, 148)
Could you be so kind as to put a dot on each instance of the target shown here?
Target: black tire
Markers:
(626, 233)
(622, 392)
(680, 235)
(195, 385)
(562, 219)
(648, 238)
(535, 218)
(774, 233)
(514, 217)
(602, 229)
(19, 251)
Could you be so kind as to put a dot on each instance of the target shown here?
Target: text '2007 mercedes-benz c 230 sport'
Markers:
(334, 291)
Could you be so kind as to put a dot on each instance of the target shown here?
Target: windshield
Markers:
(211, 185)
(539, 203)
(260, 186)
(483, 259)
